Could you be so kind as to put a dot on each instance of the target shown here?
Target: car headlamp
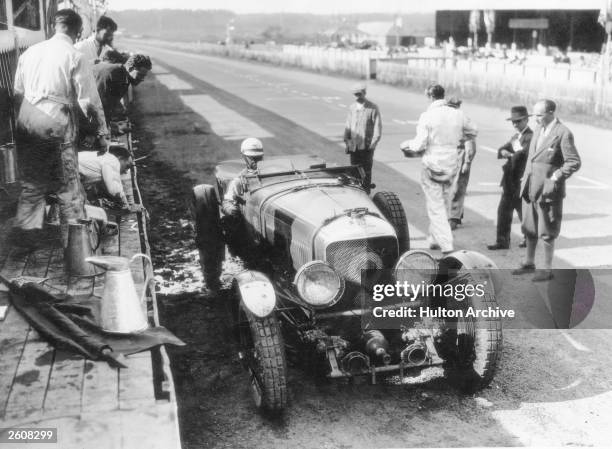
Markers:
(319, 285)
(414, 267)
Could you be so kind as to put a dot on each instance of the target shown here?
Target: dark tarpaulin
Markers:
(70, 327)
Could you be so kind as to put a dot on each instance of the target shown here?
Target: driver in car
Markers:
(252, 152)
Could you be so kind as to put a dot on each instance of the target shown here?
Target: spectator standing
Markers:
(467, 151)
(439, 132)
(515, 153)
(551, 160)
(362, 132)
(101, 40)
(52, 79)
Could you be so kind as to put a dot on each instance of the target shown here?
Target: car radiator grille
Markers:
(349, 257)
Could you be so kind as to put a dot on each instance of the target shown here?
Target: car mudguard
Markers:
(472, 260)
(256, 292)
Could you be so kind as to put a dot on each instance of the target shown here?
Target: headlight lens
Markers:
(414, 267)
(319, 285)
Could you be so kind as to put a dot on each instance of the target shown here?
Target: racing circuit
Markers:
(553, 387)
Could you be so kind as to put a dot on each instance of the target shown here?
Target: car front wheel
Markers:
(263, 352)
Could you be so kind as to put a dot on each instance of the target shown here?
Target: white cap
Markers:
(251, 146)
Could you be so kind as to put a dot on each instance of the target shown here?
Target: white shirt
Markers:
(52, 74)
(90, 47)
(439, 131)
(107, 168)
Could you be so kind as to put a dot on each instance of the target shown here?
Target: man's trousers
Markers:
(437, 201)
(48, 169)
(509, 202)
(365, 158)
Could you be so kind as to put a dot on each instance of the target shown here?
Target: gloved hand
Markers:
(506, 154)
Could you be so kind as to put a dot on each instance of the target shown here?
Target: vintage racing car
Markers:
(307, 231)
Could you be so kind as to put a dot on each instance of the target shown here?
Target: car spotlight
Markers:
(414, 267)
(319, 285)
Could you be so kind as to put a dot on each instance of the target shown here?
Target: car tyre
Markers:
(264, 351)
(392, 209)
(471, 346)
(208, 233)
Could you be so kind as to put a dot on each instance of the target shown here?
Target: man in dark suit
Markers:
(552, 159)
(515, 152)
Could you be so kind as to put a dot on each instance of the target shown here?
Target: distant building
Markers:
(562, 24)
(392, 34)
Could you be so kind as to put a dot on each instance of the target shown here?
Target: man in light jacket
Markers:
(440, 130)
(52, 79)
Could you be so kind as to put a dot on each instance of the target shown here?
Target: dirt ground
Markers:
(215, 408)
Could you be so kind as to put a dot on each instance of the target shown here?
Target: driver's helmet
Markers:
(252, 147)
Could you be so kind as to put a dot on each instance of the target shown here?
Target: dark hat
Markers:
(518, 113)
(435, 91)
(454, 102)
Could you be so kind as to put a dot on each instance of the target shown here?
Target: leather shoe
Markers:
(496, 246)
(542, 275)
(524, 269)
(523, 244)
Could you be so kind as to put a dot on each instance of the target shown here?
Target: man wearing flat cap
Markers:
(362, 132)
(515, 152)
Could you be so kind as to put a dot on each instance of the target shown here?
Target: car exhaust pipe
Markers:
(356, 363)
(414, 354)
(377, 346)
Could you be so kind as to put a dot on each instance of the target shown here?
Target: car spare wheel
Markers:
(263, 352)
(208, 234)
(391, 207)
(471, 345)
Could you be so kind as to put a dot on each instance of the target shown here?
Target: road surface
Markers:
(553, 387)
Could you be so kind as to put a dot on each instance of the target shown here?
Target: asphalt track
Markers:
(553, 386)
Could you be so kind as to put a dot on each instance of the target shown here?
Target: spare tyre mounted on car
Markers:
(208, 233)
(392, 209)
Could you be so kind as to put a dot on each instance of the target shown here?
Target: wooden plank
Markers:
(100, 387)
(30, 383)
(64, 391)
(13, 334)
(136, 383)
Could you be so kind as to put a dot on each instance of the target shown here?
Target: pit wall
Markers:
(580, 91)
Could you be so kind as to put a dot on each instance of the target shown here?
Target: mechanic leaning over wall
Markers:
(52, 80)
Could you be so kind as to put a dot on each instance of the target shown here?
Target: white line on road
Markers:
(225, 122)
(578, 346)
(489, 149)
(592, 181)
(405, 122)
(342, 105)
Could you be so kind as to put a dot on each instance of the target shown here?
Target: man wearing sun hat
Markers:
(515, 152)
(362, 131)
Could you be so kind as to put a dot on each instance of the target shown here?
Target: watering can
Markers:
(121, 310)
